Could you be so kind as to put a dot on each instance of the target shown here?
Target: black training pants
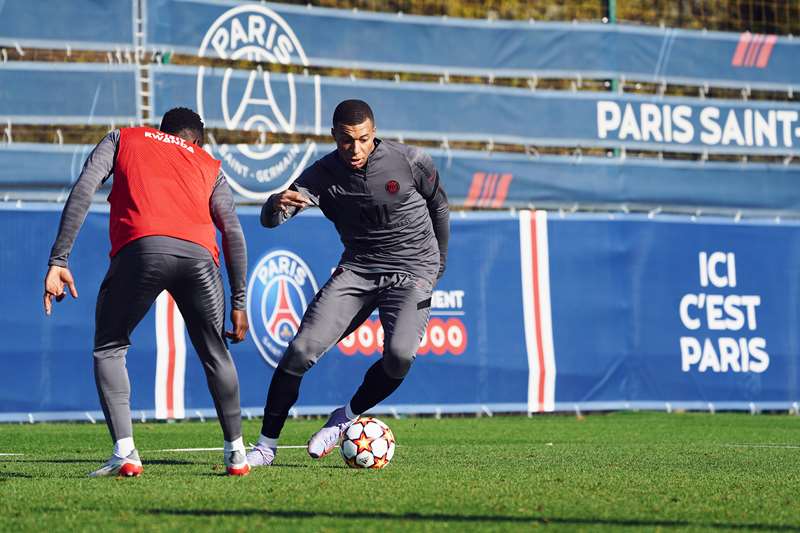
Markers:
(132, 283)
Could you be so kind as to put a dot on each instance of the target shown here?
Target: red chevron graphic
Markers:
(488, 190)
(753, 50)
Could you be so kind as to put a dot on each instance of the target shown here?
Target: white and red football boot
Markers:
(236, 464)
(129, 466)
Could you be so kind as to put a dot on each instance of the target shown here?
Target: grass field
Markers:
(622, 471)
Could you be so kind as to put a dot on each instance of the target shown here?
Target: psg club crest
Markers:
(258, 99)
(280, 288)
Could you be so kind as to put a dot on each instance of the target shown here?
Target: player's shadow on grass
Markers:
(53, 461)
(76, 473)
(436, 517)
(219, 471)
(97, 461)
(305, 464)
(12, 475)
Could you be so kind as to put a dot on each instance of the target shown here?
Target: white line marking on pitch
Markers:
(780, 446)
(11, 454)
(212, 449)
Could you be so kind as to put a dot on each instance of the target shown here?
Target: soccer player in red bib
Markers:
(167, 199)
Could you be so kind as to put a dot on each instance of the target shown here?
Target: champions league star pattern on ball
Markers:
(368, 443)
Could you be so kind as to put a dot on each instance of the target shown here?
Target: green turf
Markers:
(624, 471)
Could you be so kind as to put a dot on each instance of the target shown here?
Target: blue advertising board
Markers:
(680, 311)
(77, 24)
(305, 35)
(54, 354)
(536, 312)
(88, 93)
(482, 179)
(286, 103)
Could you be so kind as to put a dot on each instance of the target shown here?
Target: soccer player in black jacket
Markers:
(391, 212)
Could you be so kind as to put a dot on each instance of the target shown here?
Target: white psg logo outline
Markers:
(289, 46)
(257, 316)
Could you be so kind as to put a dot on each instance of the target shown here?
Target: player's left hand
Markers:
(240, 327)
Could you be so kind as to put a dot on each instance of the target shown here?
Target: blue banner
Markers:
(480, 179)
(457, 362)
(674, 311)
(554, 313)
(302, 35)
(33, 165)
(271, 102)
(77, 24)
(68, 93)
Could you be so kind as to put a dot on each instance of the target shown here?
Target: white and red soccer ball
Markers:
(367, 443)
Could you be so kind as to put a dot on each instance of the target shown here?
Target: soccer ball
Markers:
(367, 443)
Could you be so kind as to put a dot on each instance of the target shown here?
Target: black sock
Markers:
(283, 392)
(376, 387)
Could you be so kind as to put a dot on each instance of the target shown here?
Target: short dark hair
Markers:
(351, 112)
(178, 119)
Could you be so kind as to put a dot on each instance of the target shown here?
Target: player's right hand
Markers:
(290, 198)
(54, 283)
(240, 326)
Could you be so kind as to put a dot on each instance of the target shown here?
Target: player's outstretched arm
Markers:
(234, 249)
(282, 206)
(96, 170)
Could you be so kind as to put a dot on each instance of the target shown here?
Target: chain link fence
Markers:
(759, 16)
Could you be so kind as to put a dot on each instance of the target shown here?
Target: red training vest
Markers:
(162, 186)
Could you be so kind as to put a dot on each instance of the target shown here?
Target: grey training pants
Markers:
(345, 301)
(130, 287)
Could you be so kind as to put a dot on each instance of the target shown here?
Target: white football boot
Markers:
(325, 440)
(129, 466)
(261, 456)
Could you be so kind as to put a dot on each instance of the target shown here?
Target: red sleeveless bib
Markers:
(162, 186)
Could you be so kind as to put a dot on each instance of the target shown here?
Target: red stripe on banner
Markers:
(487, 187)
(537, 310)
(766, 51)
(752, 46)
(755, 46)
(484, 190)
(171, 358)
(493, 192)
(502, 191)
(741, 48)
(487, 201)
(474, 188)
